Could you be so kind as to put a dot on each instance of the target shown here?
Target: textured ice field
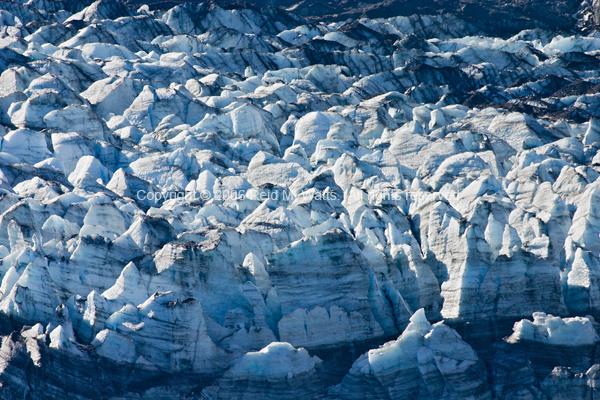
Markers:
(239, 203)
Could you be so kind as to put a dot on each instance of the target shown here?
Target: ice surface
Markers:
(196, 201)
(549, 329)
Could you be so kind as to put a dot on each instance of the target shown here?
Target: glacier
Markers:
(240, 201)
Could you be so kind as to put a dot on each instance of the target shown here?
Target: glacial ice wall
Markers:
(214, 203)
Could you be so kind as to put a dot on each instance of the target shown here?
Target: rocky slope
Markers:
(215, 202)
